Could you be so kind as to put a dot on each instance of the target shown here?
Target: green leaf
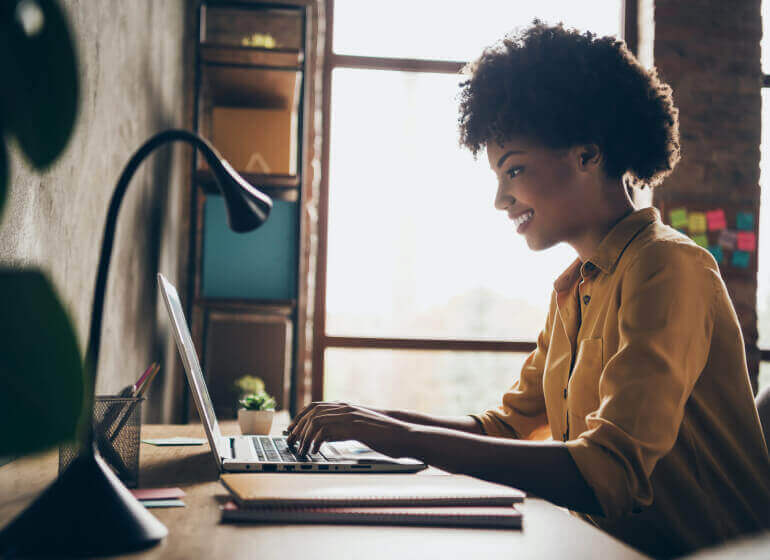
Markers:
(3, 174)
(249, 384)
(39, 96)
(41, 371)
(258, 401)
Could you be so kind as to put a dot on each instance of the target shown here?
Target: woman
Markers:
(639, 378)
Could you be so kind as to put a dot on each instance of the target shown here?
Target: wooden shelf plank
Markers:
(282, 187)
(283, 307)
(252, 56)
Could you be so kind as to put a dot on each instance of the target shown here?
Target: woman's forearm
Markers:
(460, 423)
(545, 469)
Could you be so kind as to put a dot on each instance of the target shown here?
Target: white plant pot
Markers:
(255, 422)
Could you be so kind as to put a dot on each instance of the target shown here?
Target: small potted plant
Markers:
(256, 408)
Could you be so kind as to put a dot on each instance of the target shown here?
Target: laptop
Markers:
(267, 453)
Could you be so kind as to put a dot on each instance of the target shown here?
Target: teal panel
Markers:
(261, 264)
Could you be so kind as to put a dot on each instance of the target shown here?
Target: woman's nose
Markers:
(503, 200)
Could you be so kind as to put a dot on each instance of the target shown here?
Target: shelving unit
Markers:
(250, 102)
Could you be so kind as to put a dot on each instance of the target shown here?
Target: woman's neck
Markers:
(609, 212)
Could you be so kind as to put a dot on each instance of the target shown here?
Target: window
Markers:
(763, 245)
(428, 299)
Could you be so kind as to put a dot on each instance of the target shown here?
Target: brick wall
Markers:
(708, 51)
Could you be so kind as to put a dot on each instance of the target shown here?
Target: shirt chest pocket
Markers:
(583, 385)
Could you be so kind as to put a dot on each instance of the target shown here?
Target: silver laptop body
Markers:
(266, 453)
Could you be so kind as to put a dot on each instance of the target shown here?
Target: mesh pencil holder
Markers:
(117, 423)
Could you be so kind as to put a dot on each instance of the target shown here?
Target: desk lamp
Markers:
(87, 510)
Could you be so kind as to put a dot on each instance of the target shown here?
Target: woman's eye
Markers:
(513, 171)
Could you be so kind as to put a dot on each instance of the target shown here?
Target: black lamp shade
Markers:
(247, 208)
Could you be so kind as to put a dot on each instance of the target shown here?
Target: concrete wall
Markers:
(134, 60)
(709, 52)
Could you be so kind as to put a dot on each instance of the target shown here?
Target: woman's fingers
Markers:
(301, 423)
(301, 414)
(297, 433)
(328, 423)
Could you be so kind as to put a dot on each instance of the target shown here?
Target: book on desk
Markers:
(447, 500)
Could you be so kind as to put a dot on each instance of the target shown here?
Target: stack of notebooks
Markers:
(396, 499)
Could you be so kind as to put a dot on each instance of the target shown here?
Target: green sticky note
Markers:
(740, 259)
(175, 441)
(701, 239)
(678, 218)
(745, 220)
(162, 503)
(716, 252)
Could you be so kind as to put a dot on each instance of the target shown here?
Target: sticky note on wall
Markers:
(678, 218)
(740, 259)
(716, 252)
(716, 219)
(701, 240)
(746, 241)
(744, 220)
(696, 222)
(728, 239)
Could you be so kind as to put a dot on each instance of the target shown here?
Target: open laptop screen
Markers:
(191, 364)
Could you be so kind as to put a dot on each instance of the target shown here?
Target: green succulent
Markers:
(258, 401)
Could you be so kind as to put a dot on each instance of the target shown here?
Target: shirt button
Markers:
(586, 299)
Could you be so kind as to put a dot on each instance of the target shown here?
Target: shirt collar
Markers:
(610, 248)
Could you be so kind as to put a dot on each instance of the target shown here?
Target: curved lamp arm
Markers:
(247, 209)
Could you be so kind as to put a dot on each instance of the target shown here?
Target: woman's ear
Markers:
(589, 156)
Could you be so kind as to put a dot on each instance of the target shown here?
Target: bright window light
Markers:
(443, 30)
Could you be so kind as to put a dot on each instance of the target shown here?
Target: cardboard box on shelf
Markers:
(257, 140)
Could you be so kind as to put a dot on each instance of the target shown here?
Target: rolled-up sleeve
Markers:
(522, 413)
(665, 324)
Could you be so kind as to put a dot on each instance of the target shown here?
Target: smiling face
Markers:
(550, 182)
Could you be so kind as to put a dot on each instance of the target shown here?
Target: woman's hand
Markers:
(335, 421)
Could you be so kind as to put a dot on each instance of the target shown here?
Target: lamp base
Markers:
(86, 511)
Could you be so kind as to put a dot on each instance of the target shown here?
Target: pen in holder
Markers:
(117, 423)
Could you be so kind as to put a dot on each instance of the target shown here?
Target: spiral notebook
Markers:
(444, 516)
(357, 490)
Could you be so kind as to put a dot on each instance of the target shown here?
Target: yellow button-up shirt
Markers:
(641, 370)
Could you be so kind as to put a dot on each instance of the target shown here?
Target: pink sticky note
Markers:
(157, 493)
(716, 219)
(747, 241)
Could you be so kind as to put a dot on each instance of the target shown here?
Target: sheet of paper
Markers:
(678, 218)
(696, 222)
(157, 493)
(175, 441)
(727, 239)
(701, 240)
(745, 221)
(716, 219)
(747, 241)
(740, 259)
(162, 503)
(716, 252)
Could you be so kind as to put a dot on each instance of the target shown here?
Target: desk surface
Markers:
(196, 532)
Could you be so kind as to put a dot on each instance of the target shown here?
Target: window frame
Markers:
(764, 353)
(322, 341)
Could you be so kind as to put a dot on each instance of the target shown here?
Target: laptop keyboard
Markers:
(276, 450)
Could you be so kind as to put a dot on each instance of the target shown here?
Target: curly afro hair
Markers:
(563, 88)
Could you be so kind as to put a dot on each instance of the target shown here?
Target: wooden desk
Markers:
(196, 532)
